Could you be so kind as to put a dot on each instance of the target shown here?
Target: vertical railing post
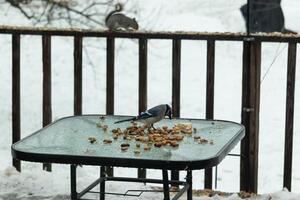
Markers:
(16, 106)
(210, 75)
(176, 69)
(250, 115)
(110, 80)
(77, 75)
(47, 111)
(289, 116)
(142, 85)
(110, 75)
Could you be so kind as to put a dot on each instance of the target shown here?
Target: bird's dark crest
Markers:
(168, 111)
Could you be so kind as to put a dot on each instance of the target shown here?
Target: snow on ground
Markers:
(43, 185)
(33, 183)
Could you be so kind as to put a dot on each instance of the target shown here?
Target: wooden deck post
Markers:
(210, 76)
(47, 110)
(289, 116)
(250, 115)
(110, 84)
(77, 75)
(176, 76)
(16, 98)
(143, 55)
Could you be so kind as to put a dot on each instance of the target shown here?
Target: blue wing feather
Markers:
(145, 115)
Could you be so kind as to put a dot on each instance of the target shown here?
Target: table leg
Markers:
(73, 182)
(166, 185)
(102, 183)
(189, 182)
(175, 177)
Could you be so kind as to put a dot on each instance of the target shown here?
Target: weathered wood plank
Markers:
(242, 36)
(142, 85)
(143, 74)
(244, 168)
(110, 80)
(176, 76)
(210, 76)
(110, 75)
(77, 75)
(289, 116)
(16, 99)
(47, 109)
(250, 115)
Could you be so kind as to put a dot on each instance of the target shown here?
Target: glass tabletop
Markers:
(90, 139)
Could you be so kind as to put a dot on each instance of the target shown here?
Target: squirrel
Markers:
(116, 21)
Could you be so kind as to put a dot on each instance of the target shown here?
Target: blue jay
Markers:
(151, 116)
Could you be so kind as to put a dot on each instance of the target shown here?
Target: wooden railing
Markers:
(250, 89)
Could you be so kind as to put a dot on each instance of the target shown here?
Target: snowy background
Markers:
(188, 15)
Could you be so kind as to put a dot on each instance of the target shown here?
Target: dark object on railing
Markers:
(250, 115)
(210, 76)
(47, 111)
(264, 16)
(176, 69)
(116, 21)
(143, 51)
(289, 118)
(77, 75)
(16, 107)
(110, 82)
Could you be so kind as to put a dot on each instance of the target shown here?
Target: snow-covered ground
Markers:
(204, 15)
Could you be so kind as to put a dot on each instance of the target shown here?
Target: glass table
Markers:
(88, 140)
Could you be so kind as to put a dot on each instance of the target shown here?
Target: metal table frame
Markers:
(187, 185)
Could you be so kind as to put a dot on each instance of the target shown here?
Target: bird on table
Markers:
(151, 116)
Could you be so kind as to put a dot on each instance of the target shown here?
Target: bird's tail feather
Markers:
(125, 120)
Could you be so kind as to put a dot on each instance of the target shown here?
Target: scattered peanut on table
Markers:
(149, 137)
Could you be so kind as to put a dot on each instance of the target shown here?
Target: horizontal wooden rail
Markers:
(271, 37)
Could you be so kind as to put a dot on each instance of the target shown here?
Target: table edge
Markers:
(128, 162)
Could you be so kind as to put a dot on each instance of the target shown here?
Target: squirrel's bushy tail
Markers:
(118, 8)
